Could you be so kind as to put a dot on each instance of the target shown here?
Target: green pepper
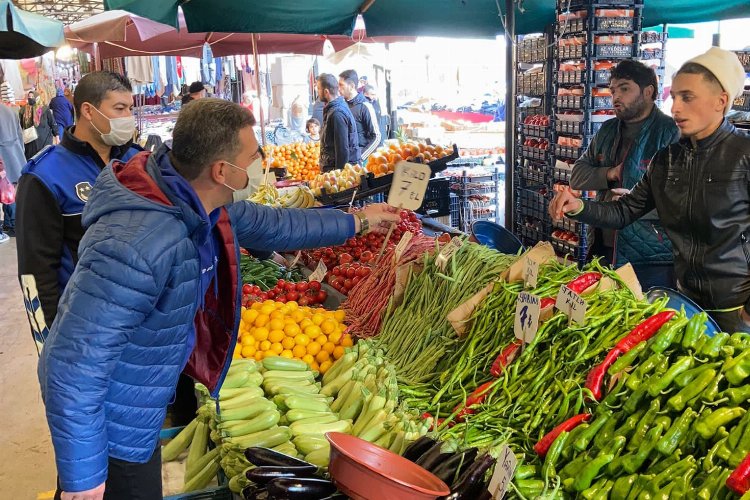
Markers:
(710, 421)
(738, 432)
(738, 369)
(526, 471)
(681, 399)
(626, 359)
(626, 428)
(636, 378)
(605, 435)
(712, 348)
(708, 460)
(643, 425)
(658, 384)
(679, 429)
(583, 440)
(739, 446)
(590, 493)
(713, 483)
(737, 395)
(553, 454)
(668, 334)
(613, 395)
(740, 340)
(622, 486)
(640, 483)
(664, 420)
(695, 329)
(603, 492)
(662, 465)
(634, 461)
(590, 471)
(674, 470)
(685, 378)
(682, 486)
(568, 449)
(634, 401)
(709, 393)
(530, 488)
(574, 466)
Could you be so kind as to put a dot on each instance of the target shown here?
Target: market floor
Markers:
(28, 467)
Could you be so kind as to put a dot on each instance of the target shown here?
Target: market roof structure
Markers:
(67, 11)
(24, 34)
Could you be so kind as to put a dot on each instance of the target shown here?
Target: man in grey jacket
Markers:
(700, 187)
(11, 152)
(368, 130)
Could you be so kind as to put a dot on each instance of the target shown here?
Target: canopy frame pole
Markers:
(510, 109)
(260, 100)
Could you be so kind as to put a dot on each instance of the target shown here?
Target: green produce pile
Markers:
(415, 335)
(266, 273)
(674, 425)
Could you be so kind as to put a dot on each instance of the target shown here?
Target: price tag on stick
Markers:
(319, 273)
(409, 185)
(403, 244)
(526, 322)
(293, 262)
(447, 252)
(572, 305)
(504, 471)
(530, 273)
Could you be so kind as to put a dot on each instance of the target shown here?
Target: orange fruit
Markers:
(329, 347)
(322, 356)
(288, 342)
(276, 335)
(309, 359)
(313, 348)
(277, 347)
(302, 340)
(346, 340)
(286, 353)
(338, 352)
(265, 345)
(299, 351)
(325, 366)
(248, 351)
(261, 333)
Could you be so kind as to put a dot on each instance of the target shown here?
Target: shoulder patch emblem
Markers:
(83, 190)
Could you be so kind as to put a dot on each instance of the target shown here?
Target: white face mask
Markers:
(254, 173)
(120, 130)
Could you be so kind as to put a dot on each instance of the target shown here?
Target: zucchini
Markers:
(281, 374)
(237, 401)
(309, 443)
(202, 478)
(343, 364)
(198, 445)
(286, 449)
(179, 443)
(319, 457)
(277, 388)
(336, 384)
(260, 456)
(295, 415)
(279, 363)
(238, 483)
(267, 438)
(201, 463)
(302, 427)
(264, 421)
(309, 404)
(237, 379)
(243, 365)
(252, 409)
(229, 394)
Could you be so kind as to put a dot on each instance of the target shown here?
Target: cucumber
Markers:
(310, 404)
(267, 439)
(295, 415)
(302, 427)
(264, 421)
(279, 363)
(309, 443)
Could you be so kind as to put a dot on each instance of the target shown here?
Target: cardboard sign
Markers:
(319, 273)
(409, 185)
(526, 322)
(541, 253)
(571, 304)
(504, 471)
(403, 244)
(530, 272)
(459, 317)
(293, 262)
(447, 252)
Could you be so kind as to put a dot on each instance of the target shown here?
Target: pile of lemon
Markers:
(314, 335)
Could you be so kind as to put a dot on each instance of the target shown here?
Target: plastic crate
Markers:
(744, 57)
(577, 4)
(742, 103)
(532, 50)
(533, 175)
(442, 163)
(532, 204)
(574, 77)
(572, 26)
(533, 153)
(571, 52)
(531, 84)
(653, 37)
(614, 23)
(530, 235)
(570, 127)
(614, 51)
(601, 102)
(568, 152)
(435, 207)
(535, 131)
(571, 102)
(455, 207)
(650, 54)
(602, 76)
(439, 187)
(579, 253)
(562, 175)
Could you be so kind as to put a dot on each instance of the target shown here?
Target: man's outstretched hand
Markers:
(562, 203)
(381, 216)
(92, 494)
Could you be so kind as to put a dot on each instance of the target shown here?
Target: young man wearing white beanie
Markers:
(700, 187)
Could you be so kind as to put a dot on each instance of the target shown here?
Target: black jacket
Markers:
(701, 191)
(338, 136)
(368, 129)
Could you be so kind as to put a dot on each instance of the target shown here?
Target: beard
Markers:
(632, 111)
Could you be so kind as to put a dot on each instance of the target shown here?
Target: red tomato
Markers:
(351, 272)
(363, 271)
(322, 296)
(314, 285)
(283, 300)
(263, 296)
(345, 258)
(366, 256)
(301, 286)
(280, 283)
(304, 301)
(292, 296)
(336, 271)
(246, 288)
(348, 284)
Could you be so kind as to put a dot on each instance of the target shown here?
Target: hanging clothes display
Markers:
(114, 64)
(139, 69)
(173, 80)
(208, 66)
(157, 78)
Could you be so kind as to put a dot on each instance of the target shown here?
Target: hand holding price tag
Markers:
(530, 273)
(504, 471)
(526, 323)
(319, 273)
(572, 305)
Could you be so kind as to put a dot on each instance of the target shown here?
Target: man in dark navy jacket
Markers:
(339, 143)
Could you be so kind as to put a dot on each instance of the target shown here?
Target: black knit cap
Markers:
(196, 87)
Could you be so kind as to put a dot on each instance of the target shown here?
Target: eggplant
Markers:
(433, 456)
(336, 496)
(265, 456)
(417, 448)
(469, 485)
(447, 469)
(253, 492)
(300, 488)
(266, 473)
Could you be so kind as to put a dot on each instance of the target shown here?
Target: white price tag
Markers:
(504, 471)
(571, 304)
(293, 262)
(447, 252)
(403, 244)
(526, 322)
(530, 273)
(319, 273)
(409, 185)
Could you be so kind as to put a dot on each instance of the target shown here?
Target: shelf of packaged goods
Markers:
(565, 5)
(600, 24)
(533, 174)
(568, 152)
(532, 50)
(583, 128)
(531, 83)
(536, 154)
(601, 51)
(744, 57)
(539, 131)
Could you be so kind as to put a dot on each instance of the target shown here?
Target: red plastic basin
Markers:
(365, 471)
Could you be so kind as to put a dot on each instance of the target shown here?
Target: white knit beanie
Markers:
(726, 67)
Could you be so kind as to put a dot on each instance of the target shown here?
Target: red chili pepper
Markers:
(506, 356)
(644, 331)
(595, 378)
(584, 281)
(739, 480)
(543, 445)
(475, 398)
(435, 423)
(548, 302)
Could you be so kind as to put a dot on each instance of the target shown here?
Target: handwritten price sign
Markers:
(571, 304)
(527, 317)
(504, 471)
(530, 273)
(409, 185)
(319, 273)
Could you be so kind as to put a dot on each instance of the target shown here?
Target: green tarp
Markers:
(452, 18)
(24, 34)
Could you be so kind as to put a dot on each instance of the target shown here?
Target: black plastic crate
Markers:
(574, 226)
(568, 152)
(570, 127)
(439, 187)
(539, 131)
(533, 175)
(614, 51)
(571, 52)
(574, 77)
(533, 153)
(571, 101)
(562, 175)
(614, 24)
(436, 207)
(651, 53)
(601, 102)
(578, 4)
(742, 103)
(530, 235)
(572, 26)
(601, 76)
(442, 163)
(534, 200)
(653, 37)
(578, 253)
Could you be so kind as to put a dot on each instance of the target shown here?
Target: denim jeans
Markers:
(9, 216)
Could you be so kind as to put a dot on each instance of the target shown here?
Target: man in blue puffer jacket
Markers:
(157, 291)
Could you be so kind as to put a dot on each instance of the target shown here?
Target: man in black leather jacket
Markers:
(700, 188)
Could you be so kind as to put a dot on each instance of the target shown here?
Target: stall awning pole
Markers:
(510, 109)
(260, 94)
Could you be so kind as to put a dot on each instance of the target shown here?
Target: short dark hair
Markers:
(207, 130)
(350, 76)
(329, 83)
(196, 87)
(311, 121)
(94, 86)
(691, 68)
(638, 72)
